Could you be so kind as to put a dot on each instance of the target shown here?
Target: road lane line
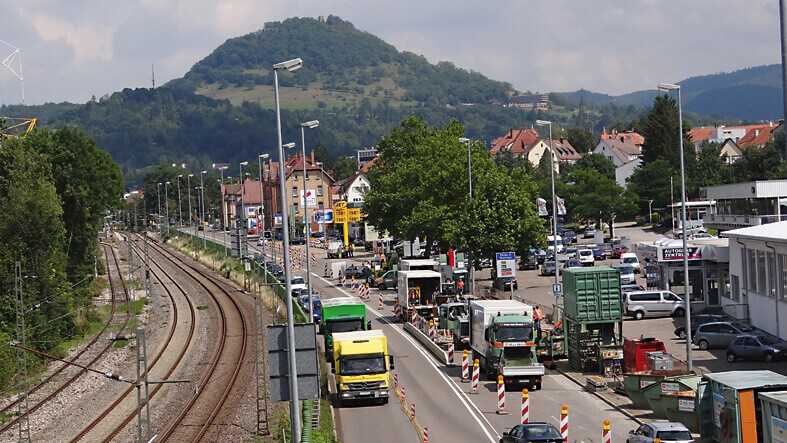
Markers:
(450, 382)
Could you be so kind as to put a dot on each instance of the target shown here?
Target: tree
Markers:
(581, 139)
(596, 196)
(652, 182)
(660, 132)
(344, 167)
(597, 162)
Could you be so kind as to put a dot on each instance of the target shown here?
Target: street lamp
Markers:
(261, 229)
(668, 88)
(180, 210)
(295, 414)
(166, 203)
(650, 212)
(188, 185)
(202, 219)
(242, 215)
(311, 125)
(466, 141)
(554, 200)
(158, 208)
(221, 169)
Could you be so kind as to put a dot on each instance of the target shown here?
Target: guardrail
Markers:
(431, 346)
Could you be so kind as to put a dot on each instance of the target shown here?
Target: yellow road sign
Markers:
(339, 216)
(354, 214)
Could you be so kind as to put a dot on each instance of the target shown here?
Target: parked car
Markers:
(317, 234)
(641, 304)
(548, 268)
(572, 263)
(667, 432)
(627, 276)
(630, 258)
(528, 262)
(360, 273)
(700, 319)
(631, 287)
(541, 255)
(569, 237)
(756, 347)
(570, 252)
(719, 334)
(298, 282)
(504, 283)
(532, 432)
(599, 253)
(585, 257)
(589, 233)
(386, 281)
(298, 240)
(618, 251)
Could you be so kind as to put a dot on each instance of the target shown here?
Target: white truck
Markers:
(418, 264)
(503, 339)
(417, 292)
(335, 249)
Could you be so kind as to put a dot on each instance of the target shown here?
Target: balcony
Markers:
(726, 221)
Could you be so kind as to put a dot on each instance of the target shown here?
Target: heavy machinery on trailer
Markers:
(454, 317)
(362, 366)
(503, 338)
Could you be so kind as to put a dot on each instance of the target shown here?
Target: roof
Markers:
(251, 191)
(699, 203)
(628, 137)
(624, 146)
(368, 165)
(667, 426)
(757, 135)
(517, 141)
(745, 190)
(564, 150)
(702, 133)
(421, 273)
(295, 164)
(769, 231)
(357, 335)
(748, 379)
(341, 301)
(775, 397)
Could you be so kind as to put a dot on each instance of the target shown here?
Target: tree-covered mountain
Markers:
(749, 94)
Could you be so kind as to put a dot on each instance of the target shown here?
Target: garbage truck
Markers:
(503, 339)
(362, 365)
(341, 314)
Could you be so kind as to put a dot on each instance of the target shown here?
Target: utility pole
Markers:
(21, 357)
(259, 370)
(143, 417)
(783, 28)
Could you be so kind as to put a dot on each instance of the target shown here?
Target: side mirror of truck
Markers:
(486, 335)
(390, 361)
(368, 325)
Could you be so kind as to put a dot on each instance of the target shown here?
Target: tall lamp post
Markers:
(554, 201)
(311, 125)
(221, 169)
(202, 218)
(188, 186)
(158, 208)
(180, 210)
(242, 216)
(650, 212)
(668, 88)
(466, 141)
(295, 413)
(166, 202)
(261, 228)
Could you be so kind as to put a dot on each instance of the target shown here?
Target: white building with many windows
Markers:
(758, 275)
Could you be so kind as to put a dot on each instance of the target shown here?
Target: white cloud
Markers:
(87, 42)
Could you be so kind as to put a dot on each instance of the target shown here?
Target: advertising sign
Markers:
(542, 207)
(324, 216)
(311, 198)
(676, 254)
(506, 264)
(277, 219)
(561, 206)
(686, 404)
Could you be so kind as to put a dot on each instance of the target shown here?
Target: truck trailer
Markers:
(418, 291)
(503, 339)
(362, 365)
(341, 314)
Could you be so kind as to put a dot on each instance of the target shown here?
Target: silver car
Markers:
(665, 431)
(641, 304)
(719, 334)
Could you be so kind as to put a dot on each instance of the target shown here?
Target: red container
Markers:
(635, 353)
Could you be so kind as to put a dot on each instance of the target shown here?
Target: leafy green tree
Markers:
(344, 167)
(597, 162)
(652, 182)
(581, 139)
(596, 196)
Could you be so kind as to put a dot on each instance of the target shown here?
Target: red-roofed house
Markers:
(757, 136)
(526, 143)
(625, 151)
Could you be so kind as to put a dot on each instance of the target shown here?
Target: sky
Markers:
(74, 49)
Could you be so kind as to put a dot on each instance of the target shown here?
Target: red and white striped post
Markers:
(474, 384)
(501, 396)
(525, 407)
(404, 394)
(432, 330)
(412, 411)
(426, 435)
(380, 302)
(564, 422)
(396, 379)
(606, 433)
(465, 366)
(450, 354)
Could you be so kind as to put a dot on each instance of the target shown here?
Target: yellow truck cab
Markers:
(362, 366)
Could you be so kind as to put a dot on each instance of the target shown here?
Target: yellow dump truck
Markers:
(362, 366)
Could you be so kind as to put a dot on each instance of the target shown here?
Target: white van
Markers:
(630, 258)
(552, 243)
(585, 257)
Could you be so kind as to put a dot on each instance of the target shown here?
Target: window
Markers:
(712, 328)
(668, 296)
(771, 274)
(736, 288)
(647, 296)
(752, 269)
(783, 273)
(761, 287)
(294, 191)
(319, 191)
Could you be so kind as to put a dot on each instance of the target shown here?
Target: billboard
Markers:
(311, 198)
(676, 254)
(506, 264)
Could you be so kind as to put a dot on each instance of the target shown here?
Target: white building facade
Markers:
(758, 275)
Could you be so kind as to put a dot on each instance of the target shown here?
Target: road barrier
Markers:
(430, 345)
(606, 434)
(474, 387)
(396, 379)
(380, 302)
(426, 435)
(412, 411)
(397, 309)
(525, 407)
(564, 422)
(465, 366)
(432, 330)
(408, 408)
(450, 354)
(501, 396)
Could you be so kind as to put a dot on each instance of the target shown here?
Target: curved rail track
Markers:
(111, 265)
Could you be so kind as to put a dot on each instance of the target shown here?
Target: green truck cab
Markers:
(362, 365)
(503, 339)
(454, 317)
(341, 314)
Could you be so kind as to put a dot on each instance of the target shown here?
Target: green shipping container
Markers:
(592, 294)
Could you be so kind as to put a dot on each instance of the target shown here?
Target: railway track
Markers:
(89, 351)
(178, 310)
(223, 371)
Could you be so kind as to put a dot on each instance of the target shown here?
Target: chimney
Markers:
(510, 132)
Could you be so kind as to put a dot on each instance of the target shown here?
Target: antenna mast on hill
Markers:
(153, 74)
(13, 62)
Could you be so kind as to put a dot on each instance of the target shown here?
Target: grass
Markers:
(202, 307)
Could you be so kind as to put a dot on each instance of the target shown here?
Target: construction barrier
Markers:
(450, 354)
(564, 422)
(501, 396)
(426, 435)
(474, 385)
(396, 379)
(397, 310)
(380, 303)
(606, 434)
(465, 366)
(412, 411)
(525, 407)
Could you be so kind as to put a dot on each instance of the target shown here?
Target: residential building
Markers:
(318, 194)
(758, 275)
(232, 196)
(353, 189)
(734, 139)
(528, 144)
(740, 205)
(625, 151)
(366, 155)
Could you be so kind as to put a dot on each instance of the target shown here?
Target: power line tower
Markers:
(259, 370)
(21, 356)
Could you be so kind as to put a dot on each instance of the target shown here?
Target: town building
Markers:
(746, 204)
(364, 156)
(624, 149)
(734, 139)
(317, 195)
(758, 276)
(353, 189)
(234, 193)
(526, 143)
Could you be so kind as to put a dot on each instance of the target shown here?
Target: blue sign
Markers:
(323, 216)
(505, 256)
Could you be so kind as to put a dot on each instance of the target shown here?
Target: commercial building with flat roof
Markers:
(739, 205)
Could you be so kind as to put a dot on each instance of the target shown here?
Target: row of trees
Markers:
(56, 187)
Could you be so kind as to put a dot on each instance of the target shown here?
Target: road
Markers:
(443, 403)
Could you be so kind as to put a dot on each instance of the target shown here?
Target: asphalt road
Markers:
(443, 402)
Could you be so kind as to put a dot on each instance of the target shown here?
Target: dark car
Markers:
(532, 432)
(697, 320)
(528, 262)
(572, 263)
(504, 283)
(569, 237)
(599, 253)
(720, 334)
(756, 347)
(298, 241)
(548, 268)
(360, 273)
(541, 255)
(317, 234)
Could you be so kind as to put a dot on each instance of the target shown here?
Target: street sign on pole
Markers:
(306, 362)
(557, 289)
(506, 264)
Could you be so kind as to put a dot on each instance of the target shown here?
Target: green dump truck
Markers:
(341, 314)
